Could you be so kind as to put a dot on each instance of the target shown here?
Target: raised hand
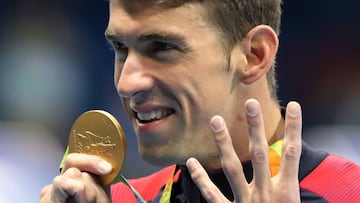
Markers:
(284, 187)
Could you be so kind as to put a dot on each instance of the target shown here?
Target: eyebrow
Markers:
(177, 39)
(151, 36)
(111, 36)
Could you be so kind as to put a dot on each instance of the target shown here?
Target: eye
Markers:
(121, 50)
(163, 51)
(162, 46)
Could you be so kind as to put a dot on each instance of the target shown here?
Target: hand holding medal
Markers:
(97, 132)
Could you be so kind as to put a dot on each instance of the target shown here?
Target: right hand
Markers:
(78, 182)
(284, 187)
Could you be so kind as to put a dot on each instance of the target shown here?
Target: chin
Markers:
(160, 159)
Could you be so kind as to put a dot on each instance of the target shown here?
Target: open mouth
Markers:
(154, 115)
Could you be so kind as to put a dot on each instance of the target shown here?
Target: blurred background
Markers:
(55, 65)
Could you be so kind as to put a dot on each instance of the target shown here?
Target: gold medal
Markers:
(97, 132)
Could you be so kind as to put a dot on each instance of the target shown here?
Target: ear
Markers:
(259, 47)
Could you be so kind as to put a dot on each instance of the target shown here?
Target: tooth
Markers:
(143, 116)
(153, 115)
(158, 114)
(165, 113)
(147, 116)
(140, 116)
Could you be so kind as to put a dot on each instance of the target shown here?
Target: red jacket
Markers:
(334, 180)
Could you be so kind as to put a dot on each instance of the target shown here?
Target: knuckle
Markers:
(292, 152)
(258, 154)
(72, 173)
(230, 167)
(86, 175)
(253, 122)
(80, 188)
(208, 193)
(70, 160)
(221, 138)
(45, 190)
(261, 197)
(57, 180)
(288, 197)
(197, 175)
(89, 177)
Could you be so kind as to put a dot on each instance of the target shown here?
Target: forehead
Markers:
(124, 20)
(134, 6)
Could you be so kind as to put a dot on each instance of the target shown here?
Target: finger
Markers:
(45, 191)
(229, 160)
(291, 149)
(75, 185)
(207, 188)
(89, 163)
(65, 188)
(258, 145)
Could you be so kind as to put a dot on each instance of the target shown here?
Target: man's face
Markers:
(173, 76)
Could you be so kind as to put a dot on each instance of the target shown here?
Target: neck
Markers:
(271, 113)
(279, 130)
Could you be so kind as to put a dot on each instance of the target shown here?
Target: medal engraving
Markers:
(88, 143)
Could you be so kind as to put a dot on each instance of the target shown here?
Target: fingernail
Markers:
(293, 109)
(252, 107)
(217, 123)
(104, 167)
(191, 164)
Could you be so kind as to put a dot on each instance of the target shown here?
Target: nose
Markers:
(134, 76)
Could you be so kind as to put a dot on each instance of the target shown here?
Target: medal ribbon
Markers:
(275, 157)
(138, 197)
